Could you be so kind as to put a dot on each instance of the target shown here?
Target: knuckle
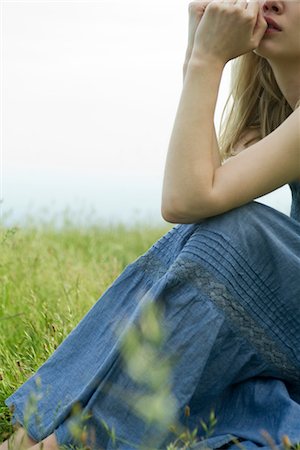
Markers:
(230, 12)
(193, 10)
(196, 6)
(213, 6)
(250, 17)
(237, 11)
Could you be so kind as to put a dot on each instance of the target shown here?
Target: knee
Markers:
(231, 239)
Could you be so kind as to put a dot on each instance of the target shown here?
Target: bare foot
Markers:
(19, 439)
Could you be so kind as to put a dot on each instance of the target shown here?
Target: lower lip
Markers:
(271, 31)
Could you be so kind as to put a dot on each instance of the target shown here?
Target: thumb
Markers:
(260, 26)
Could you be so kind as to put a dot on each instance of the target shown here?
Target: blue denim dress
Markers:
(230, 288)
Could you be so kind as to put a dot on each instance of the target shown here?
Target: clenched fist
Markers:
(228, 29)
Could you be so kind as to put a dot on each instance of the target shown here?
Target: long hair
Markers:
(256, 103)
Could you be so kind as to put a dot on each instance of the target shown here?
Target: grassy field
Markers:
(49, 279)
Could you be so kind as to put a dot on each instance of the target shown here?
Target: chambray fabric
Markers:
(230, 291)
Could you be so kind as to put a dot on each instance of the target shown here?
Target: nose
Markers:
(271, 5)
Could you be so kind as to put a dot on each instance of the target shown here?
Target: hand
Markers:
(196, 11)
(228, 29)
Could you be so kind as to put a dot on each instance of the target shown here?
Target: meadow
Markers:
(49, 280)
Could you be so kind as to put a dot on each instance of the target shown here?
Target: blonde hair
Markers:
(258, 103)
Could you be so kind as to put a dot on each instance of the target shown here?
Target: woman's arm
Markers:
(193, 187)
(257, 170)
(193, 154)
(195, 12)
(215, 145)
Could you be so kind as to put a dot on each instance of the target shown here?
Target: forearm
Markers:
(215, 144)
(193, 153)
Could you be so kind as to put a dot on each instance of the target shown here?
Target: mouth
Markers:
(272, 30)
(272, 25)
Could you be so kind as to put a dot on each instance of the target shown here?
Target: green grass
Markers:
(49, 279)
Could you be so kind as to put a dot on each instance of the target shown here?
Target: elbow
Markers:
(167, 213)
(175, 213)
(168, 216)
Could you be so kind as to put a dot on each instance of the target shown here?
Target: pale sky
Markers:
(89, 94)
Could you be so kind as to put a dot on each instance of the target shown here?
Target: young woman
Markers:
(227, 274)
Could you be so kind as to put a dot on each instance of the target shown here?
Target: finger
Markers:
(217, 1)
(195, 7)
(229, 2)
(237, 3)
(253, 6)
(242, 4)
(205, 4)
(260, 25)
